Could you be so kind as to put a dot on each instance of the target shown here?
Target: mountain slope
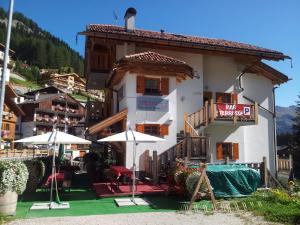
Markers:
(38, 47)
(284, 118)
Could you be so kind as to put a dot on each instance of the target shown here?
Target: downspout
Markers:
(275, 129)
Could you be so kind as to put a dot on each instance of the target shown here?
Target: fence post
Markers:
(265, 171)
(155, 167)
(290, 161)
(188, 147)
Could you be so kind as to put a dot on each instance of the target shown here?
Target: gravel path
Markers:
(159, 218)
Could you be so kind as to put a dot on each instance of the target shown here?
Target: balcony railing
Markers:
(226, 113)
(234, 112)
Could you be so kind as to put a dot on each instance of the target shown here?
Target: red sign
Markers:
(229, 110)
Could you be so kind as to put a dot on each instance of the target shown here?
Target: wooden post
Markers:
(265, 171)
(212, 111)
(206, 117)
(186, 115)
(155, 167)
(188, 147)
(290, 161)
(256, 112)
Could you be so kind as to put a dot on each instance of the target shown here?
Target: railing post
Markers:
(265, 171)
(206, 113)
(256, 112)
(212, 111)
(186, 115)
(155, 167)
(188, 147)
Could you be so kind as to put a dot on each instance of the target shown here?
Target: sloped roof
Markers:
(9, 95)
(171, 39)
(152, 57)
(269, 72)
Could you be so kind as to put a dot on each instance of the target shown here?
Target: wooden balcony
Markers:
(222, 114)
(236, 114)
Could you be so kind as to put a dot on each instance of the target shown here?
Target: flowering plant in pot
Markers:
(13, 179)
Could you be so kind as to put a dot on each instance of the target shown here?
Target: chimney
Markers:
(130, 19)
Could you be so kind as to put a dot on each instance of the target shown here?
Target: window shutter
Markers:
(234, 97)
(219, 151)
(235, 151)
(140, 128)
(164, 86)
(140, 84)
(164, 129)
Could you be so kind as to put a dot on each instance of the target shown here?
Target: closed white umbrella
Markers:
(135, 137)
(53, 138)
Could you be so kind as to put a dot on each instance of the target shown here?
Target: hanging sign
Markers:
(229, 110)
(152, 103)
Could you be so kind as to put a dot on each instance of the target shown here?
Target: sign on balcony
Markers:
(152, 103)
(230, 110)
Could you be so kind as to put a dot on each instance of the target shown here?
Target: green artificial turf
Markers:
(84, 202)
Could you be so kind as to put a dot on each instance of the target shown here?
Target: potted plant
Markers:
(13, 179)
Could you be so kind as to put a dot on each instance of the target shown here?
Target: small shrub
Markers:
(36, 169)
(191, 182)
(13, 176)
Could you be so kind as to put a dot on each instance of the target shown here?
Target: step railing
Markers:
(196, 119)
(189, 149)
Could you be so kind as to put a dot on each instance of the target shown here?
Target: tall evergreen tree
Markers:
(296, 140)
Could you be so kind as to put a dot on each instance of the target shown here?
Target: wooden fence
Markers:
(23, 153)
(285, 164)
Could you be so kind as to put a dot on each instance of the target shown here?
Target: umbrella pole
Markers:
(133, 172)
(52, 173)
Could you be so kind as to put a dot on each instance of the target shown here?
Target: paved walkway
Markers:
(168, 218)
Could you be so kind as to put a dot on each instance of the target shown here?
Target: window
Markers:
(227, 149)
(152, 86)
(152, 129)
(6, 126)
(223, 97)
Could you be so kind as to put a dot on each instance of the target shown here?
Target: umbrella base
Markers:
(130, 202)
(50, 206)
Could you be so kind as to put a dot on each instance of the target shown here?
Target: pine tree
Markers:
(296, 140)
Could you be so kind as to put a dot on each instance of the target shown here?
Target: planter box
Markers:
(8, 203)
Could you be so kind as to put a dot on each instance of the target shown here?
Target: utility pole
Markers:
(6, 58)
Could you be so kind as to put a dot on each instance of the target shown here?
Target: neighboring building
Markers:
(66, 82)
(49, 107)
(164, 84)
(9, 66)
(11, 112)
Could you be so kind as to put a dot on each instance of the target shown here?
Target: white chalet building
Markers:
(217, 92)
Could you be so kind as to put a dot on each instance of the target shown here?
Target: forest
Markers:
(37, 48)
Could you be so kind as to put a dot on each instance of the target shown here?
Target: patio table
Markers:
(60, 177)
(121, 170)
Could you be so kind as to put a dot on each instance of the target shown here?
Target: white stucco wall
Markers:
(259, 139)
(216, 74)
(148, 117)
(255, 141)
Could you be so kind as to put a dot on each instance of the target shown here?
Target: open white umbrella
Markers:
(135, 137)
(53, 138)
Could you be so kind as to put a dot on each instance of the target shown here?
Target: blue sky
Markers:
(269, 23)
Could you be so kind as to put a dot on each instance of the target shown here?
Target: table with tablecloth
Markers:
(121, 171)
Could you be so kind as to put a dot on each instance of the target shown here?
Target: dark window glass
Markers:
(152, 86)
(227, 150)
(152, 130)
